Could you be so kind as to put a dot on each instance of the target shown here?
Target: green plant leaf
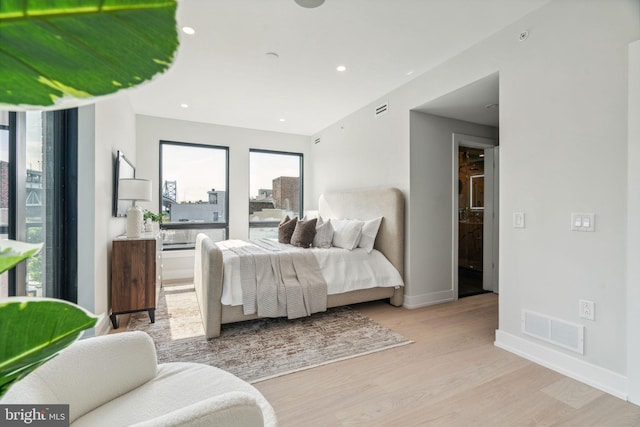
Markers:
(154, 217)
(33, 330)
(12, 252)
(50, 50)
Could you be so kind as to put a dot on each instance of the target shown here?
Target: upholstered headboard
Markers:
(366, 204)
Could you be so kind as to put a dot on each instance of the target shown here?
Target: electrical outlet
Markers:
(587, 309)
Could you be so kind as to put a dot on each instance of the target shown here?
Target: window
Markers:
(275, 180)
(35, 226)
(5, 134)
(194, 193)
(38, 164)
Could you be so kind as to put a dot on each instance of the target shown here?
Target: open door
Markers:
(491, 212)
(475, 215)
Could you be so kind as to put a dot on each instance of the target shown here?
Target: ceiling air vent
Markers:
(317, 140)
(382, 109)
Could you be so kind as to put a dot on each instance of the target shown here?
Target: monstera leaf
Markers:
(13, 251)
(33, 330)
(55, 49)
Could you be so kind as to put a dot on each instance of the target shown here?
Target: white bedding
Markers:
(343, 270)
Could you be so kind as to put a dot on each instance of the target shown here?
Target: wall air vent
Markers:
(316, 141)
(382, 109)
(555, 331)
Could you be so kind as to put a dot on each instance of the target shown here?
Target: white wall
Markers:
(430, 243)
(633, 232)
(563, 138)
(362, 151)
(151, 130)
(111, 125)
(105, 128)
(86, 207)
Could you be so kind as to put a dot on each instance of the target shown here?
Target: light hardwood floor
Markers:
(452, 375)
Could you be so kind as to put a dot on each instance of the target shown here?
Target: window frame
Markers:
(61, 246)
(65, 214)
(198, 225)
(18, 273)
(270, 224)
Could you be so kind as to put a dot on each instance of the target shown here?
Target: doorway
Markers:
(470, 220)
(475, 222)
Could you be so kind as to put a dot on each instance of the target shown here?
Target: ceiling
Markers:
(476, 102)
(225, 74)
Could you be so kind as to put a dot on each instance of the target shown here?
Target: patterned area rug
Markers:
(260, 349)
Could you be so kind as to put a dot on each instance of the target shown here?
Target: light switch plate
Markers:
(518, 220)
(583, 221)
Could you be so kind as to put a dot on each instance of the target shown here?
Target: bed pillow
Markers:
(304, 233)
(369, 233)
(324, 234)
(286, 228)
(284, 220)
(346, 233)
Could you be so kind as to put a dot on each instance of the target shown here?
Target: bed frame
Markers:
(364, 204)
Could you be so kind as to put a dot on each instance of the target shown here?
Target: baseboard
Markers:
(417, 301)
(595, 376)
(103, 326)
(177, 274)
(186, 253)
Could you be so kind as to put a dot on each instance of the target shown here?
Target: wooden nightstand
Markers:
(136, 275)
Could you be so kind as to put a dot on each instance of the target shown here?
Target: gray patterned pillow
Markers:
(324, 234)
(304, 233)
(286, 229)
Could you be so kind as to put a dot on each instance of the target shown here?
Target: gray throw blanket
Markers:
(277, 282)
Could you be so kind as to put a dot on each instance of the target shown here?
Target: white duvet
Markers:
(343, 270)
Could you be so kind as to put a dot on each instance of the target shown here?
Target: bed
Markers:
(365, 204)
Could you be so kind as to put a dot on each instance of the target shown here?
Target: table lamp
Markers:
(134, 189)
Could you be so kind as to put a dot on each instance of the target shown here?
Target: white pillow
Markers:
(369, 233)
(346, 233)
(324, 234)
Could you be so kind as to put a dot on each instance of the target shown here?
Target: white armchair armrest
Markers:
(234, 408)
(89, 373)
(115, 380)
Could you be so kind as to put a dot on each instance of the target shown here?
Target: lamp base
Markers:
(134, 222)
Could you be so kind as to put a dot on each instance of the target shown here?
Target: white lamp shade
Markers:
(134, 189)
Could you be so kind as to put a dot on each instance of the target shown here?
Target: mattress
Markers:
(343, 270)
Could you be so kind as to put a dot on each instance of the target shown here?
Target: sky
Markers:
(34, 141)
(267, 166)
(197, 170)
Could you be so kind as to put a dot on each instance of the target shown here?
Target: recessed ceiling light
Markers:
(410, 72)
(309, 4)
(184, 105)
(188, 30)
(283, 120)
(341, 68)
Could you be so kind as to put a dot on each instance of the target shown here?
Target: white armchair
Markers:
(114, 380)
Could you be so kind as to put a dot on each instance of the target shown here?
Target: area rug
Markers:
(260, 349)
